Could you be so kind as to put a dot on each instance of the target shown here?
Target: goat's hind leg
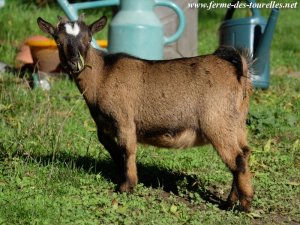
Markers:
(242, 176)
(236, 160)
(241, 186)
(234, 195)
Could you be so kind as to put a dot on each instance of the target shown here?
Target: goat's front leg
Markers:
(128, 142)
(116, 154)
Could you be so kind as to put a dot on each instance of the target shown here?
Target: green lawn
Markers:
(54, 171)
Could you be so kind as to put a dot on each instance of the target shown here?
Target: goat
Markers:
(176, 103)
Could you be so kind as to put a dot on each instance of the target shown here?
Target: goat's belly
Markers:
(181, 139)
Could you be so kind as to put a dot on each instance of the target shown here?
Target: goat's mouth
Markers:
(76, 66)
(79, 67)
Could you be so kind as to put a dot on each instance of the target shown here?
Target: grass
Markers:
(54, 171)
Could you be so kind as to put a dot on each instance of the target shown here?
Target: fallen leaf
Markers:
(173, 209)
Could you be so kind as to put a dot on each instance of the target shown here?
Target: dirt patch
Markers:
(276, 219)
(294, 74)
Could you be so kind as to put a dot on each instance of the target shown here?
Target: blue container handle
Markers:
(230, 11)
(181, 18)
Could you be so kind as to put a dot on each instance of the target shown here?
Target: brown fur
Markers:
(174, 103)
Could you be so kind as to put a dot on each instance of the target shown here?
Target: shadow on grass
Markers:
(149, 175)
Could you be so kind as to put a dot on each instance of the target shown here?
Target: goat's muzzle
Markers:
(76, 65)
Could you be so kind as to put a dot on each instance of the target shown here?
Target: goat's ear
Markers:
(98, 25)
(45, 26)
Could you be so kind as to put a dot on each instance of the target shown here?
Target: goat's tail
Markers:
(242, 61)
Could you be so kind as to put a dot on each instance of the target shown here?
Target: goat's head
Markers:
(73, 39)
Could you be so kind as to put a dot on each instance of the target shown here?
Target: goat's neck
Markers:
(89, 78)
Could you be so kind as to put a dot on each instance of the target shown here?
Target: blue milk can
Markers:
(137, 30)
(253, 33)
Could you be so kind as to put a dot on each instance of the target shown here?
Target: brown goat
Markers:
(173, 103)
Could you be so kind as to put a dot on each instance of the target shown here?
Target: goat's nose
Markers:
(73, 63)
